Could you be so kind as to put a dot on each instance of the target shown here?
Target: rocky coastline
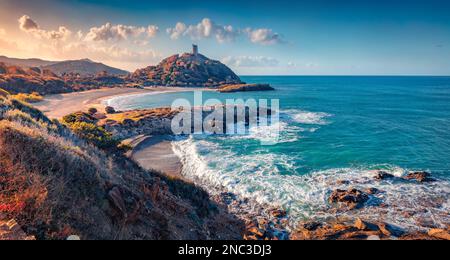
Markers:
(266, 222)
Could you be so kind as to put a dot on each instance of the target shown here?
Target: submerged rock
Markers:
(382, 175)
(419, 176)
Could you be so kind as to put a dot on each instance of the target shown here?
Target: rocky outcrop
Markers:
(358, 230)
(352, 198)
(187, 70)
(245, 88)
(419, 176)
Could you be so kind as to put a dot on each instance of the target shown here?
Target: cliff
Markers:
(187, 70)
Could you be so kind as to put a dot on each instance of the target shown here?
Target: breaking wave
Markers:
(273, 179)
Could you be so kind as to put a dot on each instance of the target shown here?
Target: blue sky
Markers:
(253, 37)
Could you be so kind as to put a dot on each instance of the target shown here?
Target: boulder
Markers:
(353, 198)
(419, 176)
(439, 234)
(382, 175)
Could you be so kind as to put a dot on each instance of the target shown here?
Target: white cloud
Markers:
(250, 61)
(108, 32)
(176, 32)
(152, 31)
(263, 36)
(28, 25)
(204, 30)
(2, 32)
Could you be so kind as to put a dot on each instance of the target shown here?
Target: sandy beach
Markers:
(59, 105)
(155, 153)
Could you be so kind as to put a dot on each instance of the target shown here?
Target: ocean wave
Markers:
(270, 179)
(307, 118)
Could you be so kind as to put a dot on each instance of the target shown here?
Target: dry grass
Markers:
(29, 98)
(55, 184)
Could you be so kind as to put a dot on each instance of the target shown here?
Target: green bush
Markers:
(94, 134)
(78, 117)
(92, 111)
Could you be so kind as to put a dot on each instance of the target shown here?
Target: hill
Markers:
(25, 62)
(83, 67)
(186, 70)
(17, 79)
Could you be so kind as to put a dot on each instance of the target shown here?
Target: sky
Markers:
(282, 37)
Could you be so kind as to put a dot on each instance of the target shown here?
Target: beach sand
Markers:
(59, 105)
(156, 153)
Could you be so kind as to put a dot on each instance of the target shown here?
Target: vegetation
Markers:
(84, 125)
(55, 184)
(29, 98)
(110, 110)
(4, 93)
(92, 111)
(94, 134)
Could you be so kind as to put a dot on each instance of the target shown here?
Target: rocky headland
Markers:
(187, 70)
(245, 88)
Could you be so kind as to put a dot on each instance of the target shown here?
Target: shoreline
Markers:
(157, 153)
(58, 105)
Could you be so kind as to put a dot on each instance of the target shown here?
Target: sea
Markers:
(335, 132)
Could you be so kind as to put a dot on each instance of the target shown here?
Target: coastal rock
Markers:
(382, 175)
(440, 234)
(389, 230)
(245, 88)
(419, 176)
(109, 110)
(353, 198)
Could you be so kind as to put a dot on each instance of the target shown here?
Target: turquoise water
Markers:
(332, 128)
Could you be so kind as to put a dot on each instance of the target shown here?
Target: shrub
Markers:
(78, 117)
(92, 111)
(94, 134)
(110, 110)
(29, 98)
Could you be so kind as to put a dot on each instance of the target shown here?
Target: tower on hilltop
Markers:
(195, 49)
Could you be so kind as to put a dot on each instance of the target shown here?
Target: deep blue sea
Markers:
(332, 129)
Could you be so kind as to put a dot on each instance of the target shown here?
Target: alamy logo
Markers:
(232, 117)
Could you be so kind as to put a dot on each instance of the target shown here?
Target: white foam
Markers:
(274, 180)
(308, 118)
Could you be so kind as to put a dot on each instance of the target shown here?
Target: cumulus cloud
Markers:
(28, 25)
(177, 31)
(263, 36)
(250, 61)
(204, 30)
(117, 32)
(152, 31)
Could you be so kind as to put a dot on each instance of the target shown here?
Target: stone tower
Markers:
(195, 49)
